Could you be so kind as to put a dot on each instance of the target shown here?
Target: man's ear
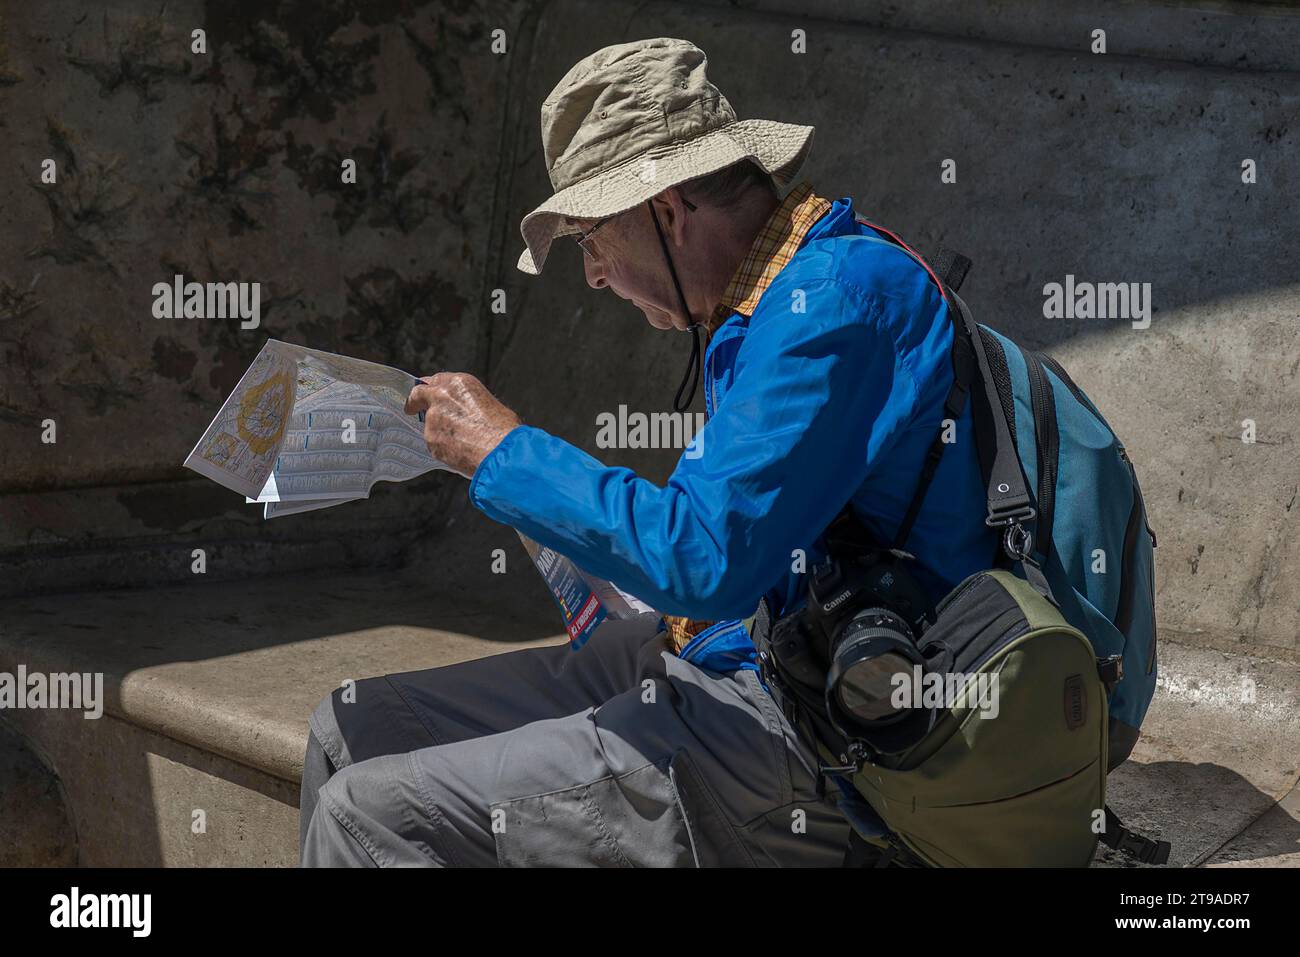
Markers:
(672, 215)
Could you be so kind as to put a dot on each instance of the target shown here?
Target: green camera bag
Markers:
(1025, 788)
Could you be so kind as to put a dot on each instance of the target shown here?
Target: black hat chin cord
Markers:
(692, 375)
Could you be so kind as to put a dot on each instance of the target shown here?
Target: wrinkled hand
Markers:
(463, 421)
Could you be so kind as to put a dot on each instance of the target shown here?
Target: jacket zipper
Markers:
(710, 398)
(707, 636)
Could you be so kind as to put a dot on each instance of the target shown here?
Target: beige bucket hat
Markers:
(634, 119)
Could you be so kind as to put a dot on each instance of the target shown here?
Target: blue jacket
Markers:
(806, 410)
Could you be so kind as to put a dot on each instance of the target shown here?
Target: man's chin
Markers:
(660, 320)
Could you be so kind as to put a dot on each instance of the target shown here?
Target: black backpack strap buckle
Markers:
(1110, 671)
(1012, 512)
(1145, 849)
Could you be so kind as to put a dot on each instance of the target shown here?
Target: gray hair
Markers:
(729, 185)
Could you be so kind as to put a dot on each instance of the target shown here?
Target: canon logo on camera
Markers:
(838, 600)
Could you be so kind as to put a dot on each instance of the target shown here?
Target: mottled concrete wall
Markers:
(225, 166)
(1122, 167)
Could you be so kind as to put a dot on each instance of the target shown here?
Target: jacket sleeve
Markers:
(817, 396)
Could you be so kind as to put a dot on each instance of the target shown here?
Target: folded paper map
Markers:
(306, 429)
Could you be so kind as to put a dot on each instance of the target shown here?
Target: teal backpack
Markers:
(1089, 535)
(1092, 539)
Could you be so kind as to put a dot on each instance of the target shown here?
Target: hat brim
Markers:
(779, 148)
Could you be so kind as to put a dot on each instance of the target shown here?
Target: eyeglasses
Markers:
(582, 239)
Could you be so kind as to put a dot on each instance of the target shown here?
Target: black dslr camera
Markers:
(860, 629)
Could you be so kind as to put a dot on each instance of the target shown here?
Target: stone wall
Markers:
(1122, 167)
(226, 166)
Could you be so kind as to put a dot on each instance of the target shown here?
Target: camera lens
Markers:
(874, 646)
(865, 686)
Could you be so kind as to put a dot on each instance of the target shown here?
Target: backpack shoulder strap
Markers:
(1008, 502)
(952, 267)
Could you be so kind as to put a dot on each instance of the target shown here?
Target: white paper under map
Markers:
(306, 429)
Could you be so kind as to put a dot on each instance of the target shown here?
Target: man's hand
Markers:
(463, 421)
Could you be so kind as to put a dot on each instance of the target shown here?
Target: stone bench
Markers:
(207, 689)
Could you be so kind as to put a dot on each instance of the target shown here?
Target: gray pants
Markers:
(619, 754)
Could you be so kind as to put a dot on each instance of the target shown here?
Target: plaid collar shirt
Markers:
(773, 248)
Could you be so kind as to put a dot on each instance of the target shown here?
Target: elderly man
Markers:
(825, 376)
